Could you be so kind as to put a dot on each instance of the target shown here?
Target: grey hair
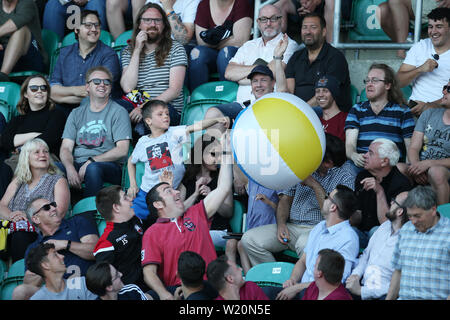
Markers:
(422, 197)
(388, 149)
(269, 4)
(30, 210)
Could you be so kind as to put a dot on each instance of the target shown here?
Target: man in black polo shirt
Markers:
(121, 242)
(376, 186)
(317, 59)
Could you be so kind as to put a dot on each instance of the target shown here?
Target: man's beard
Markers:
(154, 39)
(390, 215)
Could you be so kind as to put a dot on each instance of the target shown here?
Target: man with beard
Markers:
(319, 58)
(374, 265)
(154, 63)
(259, 51)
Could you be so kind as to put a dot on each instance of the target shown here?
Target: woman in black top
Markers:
(37, 118)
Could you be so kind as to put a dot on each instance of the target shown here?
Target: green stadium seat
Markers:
(216, 90)
(140, 169)
(354, 94)
(5, 110)
(10, 93)
(125, 179)
(270, 273)
(7, 287)
(105, 37)
(236, 221)
(17, 269)
(84, 205)
(444, 210)
(3, 270)
(121, 41)
(367, 27)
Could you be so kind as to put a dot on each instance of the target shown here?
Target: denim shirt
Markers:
(70, 68)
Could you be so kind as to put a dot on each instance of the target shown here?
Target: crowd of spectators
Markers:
(364, 225)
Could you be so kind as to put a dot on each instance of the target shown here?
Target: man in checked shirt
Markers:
(299, 208)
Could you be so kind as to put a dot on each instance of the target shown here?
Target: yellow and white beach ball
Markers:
(278, 141)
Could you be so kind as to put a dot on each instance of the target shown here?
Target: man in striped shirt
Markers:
(421, 257)
(384, 115)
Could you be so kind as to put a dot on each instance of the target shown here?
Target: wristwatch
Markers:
(69, 243)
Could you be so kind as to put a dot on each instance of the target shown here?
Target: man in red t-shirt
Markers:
(177, 230)
(333, 119)
(328, 273)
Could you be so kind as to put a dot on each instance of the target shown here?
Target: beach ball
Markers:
(278, 141)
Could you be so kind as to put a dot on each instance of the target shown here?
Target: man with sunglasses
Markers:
(334, 233)
(68, 77)
(427, 64)
(429, 151)
(259, 51)
(96, 137)
(74, 238)
(371, 277)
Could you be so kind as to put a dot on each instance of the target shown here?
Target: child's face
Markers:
(160, 118)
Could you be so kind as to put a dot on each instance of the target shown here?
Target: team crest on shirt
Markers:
(138, 229)
(189, 224)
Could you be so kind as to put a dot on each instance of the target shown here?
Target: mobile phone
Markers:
(412, 103)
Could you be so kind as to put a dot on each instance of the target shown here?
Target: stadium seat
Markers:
(270, 273)
(290, 253)
(122, 41)
(15, 277)
(51, 42)
(125, 179)
(84, 205)
(5, 110)
(216, 90)
(17, 269)
(236, 221)
(354, 94)
(3, 270)
(367, 27)
(105, 37)
(140, 169)
(444, 209)
(10, 94)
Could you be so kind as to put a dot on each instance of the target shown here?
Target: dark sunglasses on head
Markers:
(97, 82)
(46, 207)
(35, 88)
(446, 88)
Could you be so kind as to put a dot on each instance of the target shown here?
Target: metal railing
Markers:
(355, 45)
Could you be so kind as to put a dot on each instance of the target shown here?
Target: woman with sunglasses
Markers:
(37, 118)
(35, 176)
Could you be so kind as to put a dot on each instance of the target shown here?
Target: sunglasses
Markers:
(446, 88)
(35, 88)
(46, 207)
(97, 82)
(327, 196)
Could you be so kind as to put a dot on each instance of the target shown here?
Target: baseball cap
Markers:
(260, 69)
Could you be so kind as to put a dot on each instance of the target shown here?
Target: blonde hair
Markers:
(23, 171)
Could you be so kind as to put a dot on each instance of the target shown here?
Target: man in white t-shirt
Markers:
(427, 64)
(259, 51)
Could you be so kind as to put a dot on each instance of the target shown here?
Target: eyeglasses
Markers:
(446, 88)
(97, 82)
(372, 80)
(89, 25)
(46, 207)
(395, 201)
(272, 19)
(150, 20)
(35, 88)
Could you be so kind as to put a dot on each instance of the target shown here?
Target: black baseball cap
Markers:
(262, 70)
